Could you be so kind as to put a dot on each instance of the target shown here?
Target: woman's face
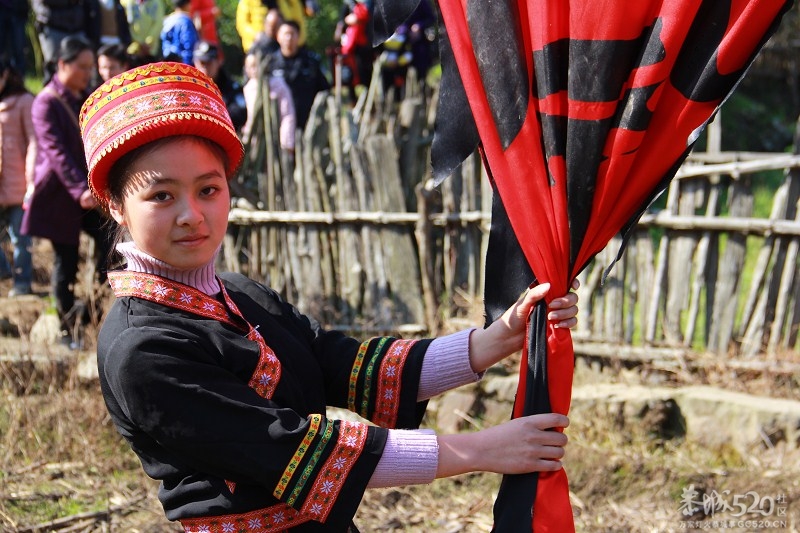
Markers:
(176, 203)
(77, 74)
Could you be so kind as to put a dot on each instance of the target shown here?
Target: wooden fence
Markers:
(357, 237)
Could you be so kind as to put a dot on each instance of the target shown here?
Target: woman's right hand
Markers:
(519, 446)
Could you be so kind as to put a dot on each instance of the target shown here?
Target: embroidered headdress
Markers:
(152, 102)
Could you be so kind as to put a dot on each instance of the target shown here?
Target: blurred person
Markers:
(112, 59)
(278, 91)
(57, 19)
(17, 161)
(13, 18)
(266, 42)
(250, 15)
(139, 54)
(296, 10)
(204, 13)
(355, 44)
(178, 35)
(409, 46)
(111, 25)
(61, 204)
(207, 60)
(146, 19)
(300, 68)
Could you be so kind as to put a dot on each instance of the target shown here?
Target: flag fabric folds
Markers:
(583, 111)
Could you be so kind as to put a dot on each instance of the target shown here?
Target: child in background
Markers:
(112, 59)
(220, 386)
(17, 162)
(278, 91)
(179, 36)
(204, 13)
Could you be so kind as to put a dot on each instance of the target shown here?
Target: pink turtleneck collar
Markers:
(203, 278)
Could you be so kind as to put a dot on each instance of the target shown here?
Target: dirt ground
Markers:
(64, 468)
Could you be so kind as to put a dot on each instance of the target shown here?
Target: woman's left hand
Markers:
(506, 334)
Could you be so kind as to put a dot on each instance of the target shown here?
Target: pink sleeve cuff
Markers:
(446, 365)
(410, 457)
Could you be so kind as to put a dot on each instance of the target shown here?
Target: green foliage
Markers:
(320, 27)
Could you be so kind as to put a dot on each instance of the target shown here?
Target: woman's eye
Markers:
(161, 196)
(208, 191)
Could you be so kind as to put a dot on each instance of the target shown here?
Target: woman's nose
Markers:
(190, 213)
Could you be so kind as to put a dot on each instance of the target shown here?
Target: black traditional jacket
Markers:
(223, 400)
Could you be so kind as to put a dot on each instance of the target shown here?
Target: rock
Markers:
(46, 330)
(452, 408)
(707, 415)
(503, 389)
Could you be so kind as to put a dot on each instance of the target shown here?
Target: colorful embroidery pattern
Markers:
(389, 381)
(176, 295)
(312, 463)
(272, 519)
(376, 355)
(313, 429)
(329, 483)
(167, 292)
(354, 373)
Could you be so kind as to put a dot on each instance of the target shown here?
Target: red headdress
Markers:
(149, 103)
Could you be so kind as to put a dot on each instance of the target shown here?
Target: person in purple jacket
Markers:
(62, 205)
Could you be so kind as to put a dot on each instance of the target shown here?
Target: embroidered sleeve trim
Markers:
(354, 373)
(330, 481)
(312, 463)
(368, 376)
(272, 519)
(389, 383)
(313, 429)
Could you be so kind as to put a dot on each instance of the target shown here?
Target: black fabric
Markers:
(455, 133)
(387, 16)
(507, 89)
(508, 273)
(176, 386)
(513, 507)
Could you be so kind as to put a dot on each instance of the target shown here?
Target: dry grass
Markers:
(63, 467)
(61, 457)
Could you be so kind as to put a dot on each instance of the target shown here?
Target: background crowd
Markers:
(82, 43)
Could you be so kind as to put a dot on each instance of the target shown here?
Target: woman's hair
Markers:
(14, 82)
(68, 51)
(116, 52)
(71, 47)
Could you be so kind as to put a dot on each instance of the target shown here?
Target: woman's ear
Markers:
(115, 210)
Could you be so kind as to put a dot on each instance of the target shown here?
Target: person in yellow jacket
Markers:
(146, 17)
(250, 16)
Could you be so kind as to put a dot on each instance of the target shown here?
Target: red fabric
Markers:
(533, 178)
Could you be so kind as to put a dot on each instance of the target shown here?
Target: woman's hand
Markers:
(506, 334)
(525, 444)
(87, 200)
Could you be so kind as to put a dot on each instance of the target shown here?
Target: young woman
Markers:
(62, 205)
(219, 385)
(17, 158)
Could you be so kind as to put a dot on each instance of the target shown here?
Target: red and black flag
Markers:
(583, 111)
